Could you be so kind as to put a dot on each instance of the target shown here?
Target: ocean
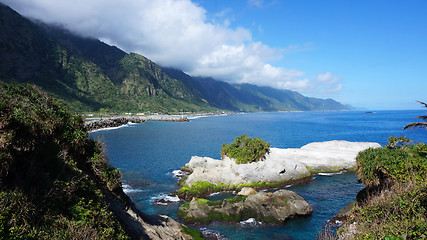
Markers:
(147, 155)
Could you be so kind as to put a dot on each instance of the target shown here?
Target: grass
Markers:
(399, 213)
(197, 235)
(397, 208)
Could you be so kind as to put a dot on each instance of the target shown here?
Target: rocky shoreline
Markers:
(93, 124)
(279, 166)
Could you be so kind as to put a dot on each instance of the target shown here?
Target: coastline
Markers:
(106, 123)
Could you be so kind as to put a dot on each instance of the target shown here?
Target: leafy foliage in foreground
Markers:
(245, 149)
(399, 209)
(52, 176)
(418, 124)
(398, 161)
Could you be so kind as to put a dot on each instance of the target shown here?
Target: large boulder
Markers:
(267, 207)
(279, 165)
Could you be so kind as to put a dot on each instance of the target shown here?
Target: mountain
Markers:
(86, 74)
(89, 75)
(248, 97)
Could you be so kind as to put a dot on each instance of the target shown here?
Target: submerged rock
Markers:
(279, 165)
(267, 207)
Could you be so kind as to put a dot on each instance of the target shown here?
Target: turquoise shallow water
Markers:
(146, 154)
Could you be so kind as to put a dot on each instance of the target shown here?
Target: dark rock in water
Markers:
(120, 121)
(163, 202)
(267, 207)
(343, 213)
(111, 122)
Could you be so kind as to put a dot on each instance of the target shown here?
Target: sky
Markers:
(371, 54)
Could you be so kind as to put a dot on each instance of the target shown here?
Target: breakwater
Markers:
(98, 123)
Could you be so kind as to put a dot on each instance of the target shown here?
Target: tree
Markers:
(418, 124)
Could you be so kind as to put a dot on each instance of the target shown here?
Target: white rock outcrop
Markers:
(279, 164)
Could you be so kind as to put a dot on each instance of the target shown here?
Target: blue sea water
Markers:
(146, 154)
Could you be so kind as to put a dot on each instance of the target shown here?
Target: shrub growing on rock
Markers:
(245, 149)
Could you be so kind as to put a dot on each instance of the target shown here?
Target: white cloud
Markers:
(327, 78)
(328, 83)
(256, 3)
(176, 33)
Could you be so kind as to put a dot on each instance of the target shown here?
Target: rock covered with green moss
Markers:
(267, 207)
(279, 166)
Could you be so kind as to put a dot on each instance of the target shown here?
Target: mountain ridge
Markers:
(91, 76)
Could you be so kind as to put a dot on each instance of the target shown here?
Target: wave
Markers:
(178, 173)
(250, 221)
(214, 194)
(331, 174)
(212, 234)
(164, 199)
(128, 189)
(114, 128)
(208, 115)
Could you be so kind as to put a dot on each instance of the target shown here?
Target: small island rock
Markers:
(279, 165)
(267, 207)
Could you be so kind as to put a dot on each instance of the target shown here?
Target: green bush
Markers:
(395, 162)
(399, 209)
(51, 172)
(245, 149)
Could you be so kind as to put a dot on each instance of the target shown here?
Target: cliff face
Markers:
(56, 181)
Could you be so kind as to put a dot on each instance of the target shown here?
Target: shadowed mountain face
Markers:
(89, 75)
(248, 97)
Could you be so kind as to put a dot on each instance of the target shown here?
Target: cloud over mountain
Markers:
(176, 33)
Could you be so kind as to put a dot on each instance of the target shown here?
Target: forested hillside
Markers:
(88, 75)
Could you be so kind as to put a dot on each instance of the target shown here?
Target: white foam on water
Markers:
(128, 189)
(331, 174)
(214, 194)
(208, 232)
(165, 197)
(109, 128)
(250, 221)
(178, 173)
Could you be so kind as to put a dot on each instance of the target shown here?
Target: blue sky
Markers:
(378, 49)
(370, 54)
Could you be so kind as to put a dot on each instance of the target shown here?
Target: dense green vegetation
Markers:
(245, 149)
(396, 206)
(53, 177)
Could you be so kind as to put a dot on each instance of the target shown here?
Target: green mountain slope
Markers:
(248, 97)
(86, 73)
(89, 75)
